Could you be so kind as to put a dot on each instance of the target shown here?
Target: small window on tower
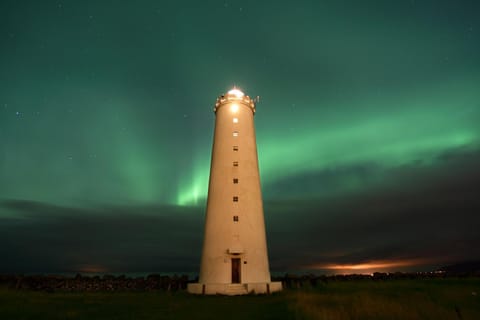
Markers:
(235, 198)
(235, 148)
(235, 163)
(235, 120)
(235, 180)
(235, 133)
(235, 218)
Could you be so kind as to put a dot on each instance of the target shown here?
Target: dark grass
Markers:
(135, 305)
(356, 299)
(391, 299)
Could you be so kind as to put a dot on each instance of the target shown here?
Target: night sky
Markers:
(367, 129)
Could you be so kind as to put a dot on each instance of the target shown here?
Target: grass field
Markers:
(361, 299)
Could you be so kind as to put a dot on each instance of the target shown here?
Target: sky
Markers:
(367, 131)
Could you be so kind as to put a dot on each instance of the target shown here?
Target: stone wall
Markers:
(95, 283)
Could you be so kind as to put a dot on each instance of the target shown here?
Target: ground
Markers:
(354, 299)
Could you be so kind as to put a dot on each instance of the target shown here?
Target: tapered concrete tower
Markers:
(234, 257)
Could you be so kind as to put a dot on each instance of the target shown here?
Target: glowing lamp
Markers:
(237, 93)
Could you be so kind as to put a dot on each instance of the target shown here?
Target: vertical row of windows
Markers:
(235, 164)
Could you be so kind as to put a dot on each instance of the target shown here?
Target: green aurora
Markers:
(419, 130)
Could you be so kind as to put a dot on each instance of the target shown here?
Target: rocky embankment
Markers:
(94, 283)
(155, 282)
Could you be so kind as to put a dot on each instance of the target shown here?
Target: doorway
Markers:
(236, 270)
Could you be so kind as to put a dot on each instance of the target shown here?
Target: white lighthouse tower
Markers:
(234, 257)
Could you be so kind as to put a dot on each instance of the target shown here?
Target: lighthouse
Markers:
(234, 255)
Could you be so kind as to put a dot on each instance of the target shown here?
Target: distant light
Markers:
(236, 92)
(234, 107)
(235, 120)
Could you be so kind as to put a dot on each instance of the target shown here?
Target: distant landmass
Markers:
(467, 267)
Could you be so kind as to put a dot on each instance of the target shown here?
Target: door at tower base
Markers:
(234, 255)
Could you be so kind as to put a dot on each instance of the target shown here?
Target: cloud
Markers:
(425, 213)
(46, 237)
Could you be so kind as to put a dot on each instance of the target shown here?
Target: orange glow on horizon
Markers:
(372, 266)
(377, 265)
(92, 269)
